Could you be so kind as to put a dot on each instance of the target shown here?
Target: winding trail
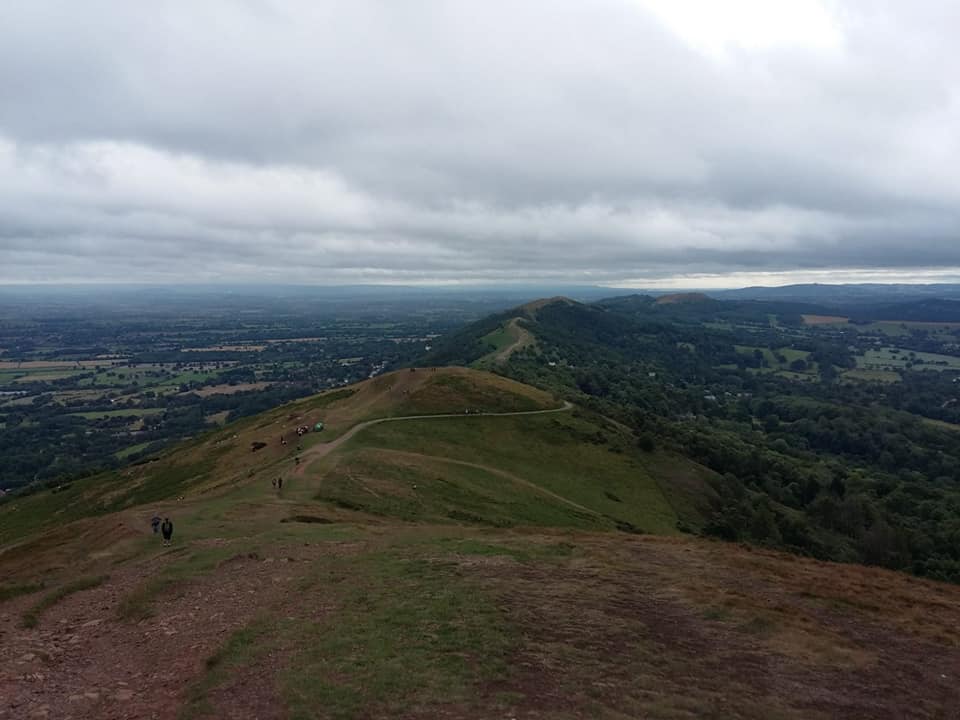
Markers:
(521, 339)
(500, 473)
(319, 451)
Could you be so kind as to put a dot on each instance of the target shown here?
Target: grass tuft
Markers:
(8, 592)
(31, 618)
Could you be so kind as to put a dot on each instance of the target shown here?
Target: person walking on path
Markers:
(166, 529)
(155, 523)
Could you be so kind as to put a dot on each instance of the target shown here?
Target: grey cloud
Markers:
(377, 141)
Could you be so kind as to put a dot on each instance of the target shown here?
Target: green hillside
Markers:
(814, 447)
(452, 544)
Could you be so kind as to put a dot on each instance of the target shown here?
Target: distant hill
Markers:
(678, 298)
(494, 338)
(926, 310)
(843, 294)
(700, 307)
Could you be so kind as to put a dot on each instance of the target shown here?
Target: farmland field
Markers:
(890, 358)
(825, 320)
(872, 375)
(124, 412)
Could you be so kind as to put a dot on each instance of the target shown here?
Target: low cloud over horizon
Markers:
(622, 142)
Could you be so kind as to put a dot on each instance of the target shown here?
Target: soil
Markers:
(82, 661)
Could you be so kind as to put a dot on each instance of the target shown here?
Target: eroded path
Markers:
(87, 660)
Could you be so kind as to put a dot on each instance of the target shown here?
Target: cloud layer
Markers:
(614, 141)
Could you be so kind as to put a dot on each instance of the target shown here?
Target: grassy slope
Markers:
(455, 568)
(569, 457)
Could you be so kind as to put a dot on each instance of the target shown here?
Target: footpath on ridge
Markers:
(324, 449)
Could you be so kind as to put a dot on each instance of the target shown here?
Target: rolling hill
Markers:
(452, 544)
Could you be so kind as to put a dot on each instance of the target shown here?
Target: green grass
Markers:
(45, 375)
(772, 364)
(31, 618)
(941, 424)
(890, 358)
(128, 451)
(409, 634)
(104, 493)
(8, 592)
(432, 490)
(244, 647)
(500, 338)
(564, 455)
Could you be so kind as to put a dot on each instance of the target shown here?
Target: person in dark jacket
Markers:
(166, 529)
(155, 523)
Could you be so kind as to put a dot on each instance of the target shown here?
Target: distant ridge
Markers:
(677, 298)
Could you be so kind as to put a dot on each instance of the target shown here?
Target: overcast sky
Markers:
(643, 142)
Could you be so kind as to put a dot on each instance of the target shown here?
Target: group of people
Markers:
(165, 528)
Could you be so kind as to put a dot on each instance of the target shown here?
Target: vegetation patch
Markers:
(138, 604)
(419, 487)
(511, 460)
(31, 618)
(410, 635)
(8, 592)
(243, 648)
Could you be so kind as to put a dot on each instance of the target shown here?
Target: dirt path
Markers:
(522, 339)
(500, 473)
(319, 451)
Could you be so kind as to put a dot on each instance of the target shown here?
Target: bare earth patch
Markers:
(84, 662)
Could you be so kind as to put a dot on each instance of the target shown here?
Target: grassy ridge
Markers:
(564, 455)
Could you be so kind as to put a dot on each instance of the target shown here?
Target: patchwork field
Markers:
(890, 358)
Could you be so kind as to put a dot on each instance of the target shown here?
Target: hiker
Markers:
(155, 523)
(279, 484)
(167, 531)
(274, 483)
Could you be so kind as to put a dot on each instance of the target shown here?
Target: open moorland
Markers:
(451, 544)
